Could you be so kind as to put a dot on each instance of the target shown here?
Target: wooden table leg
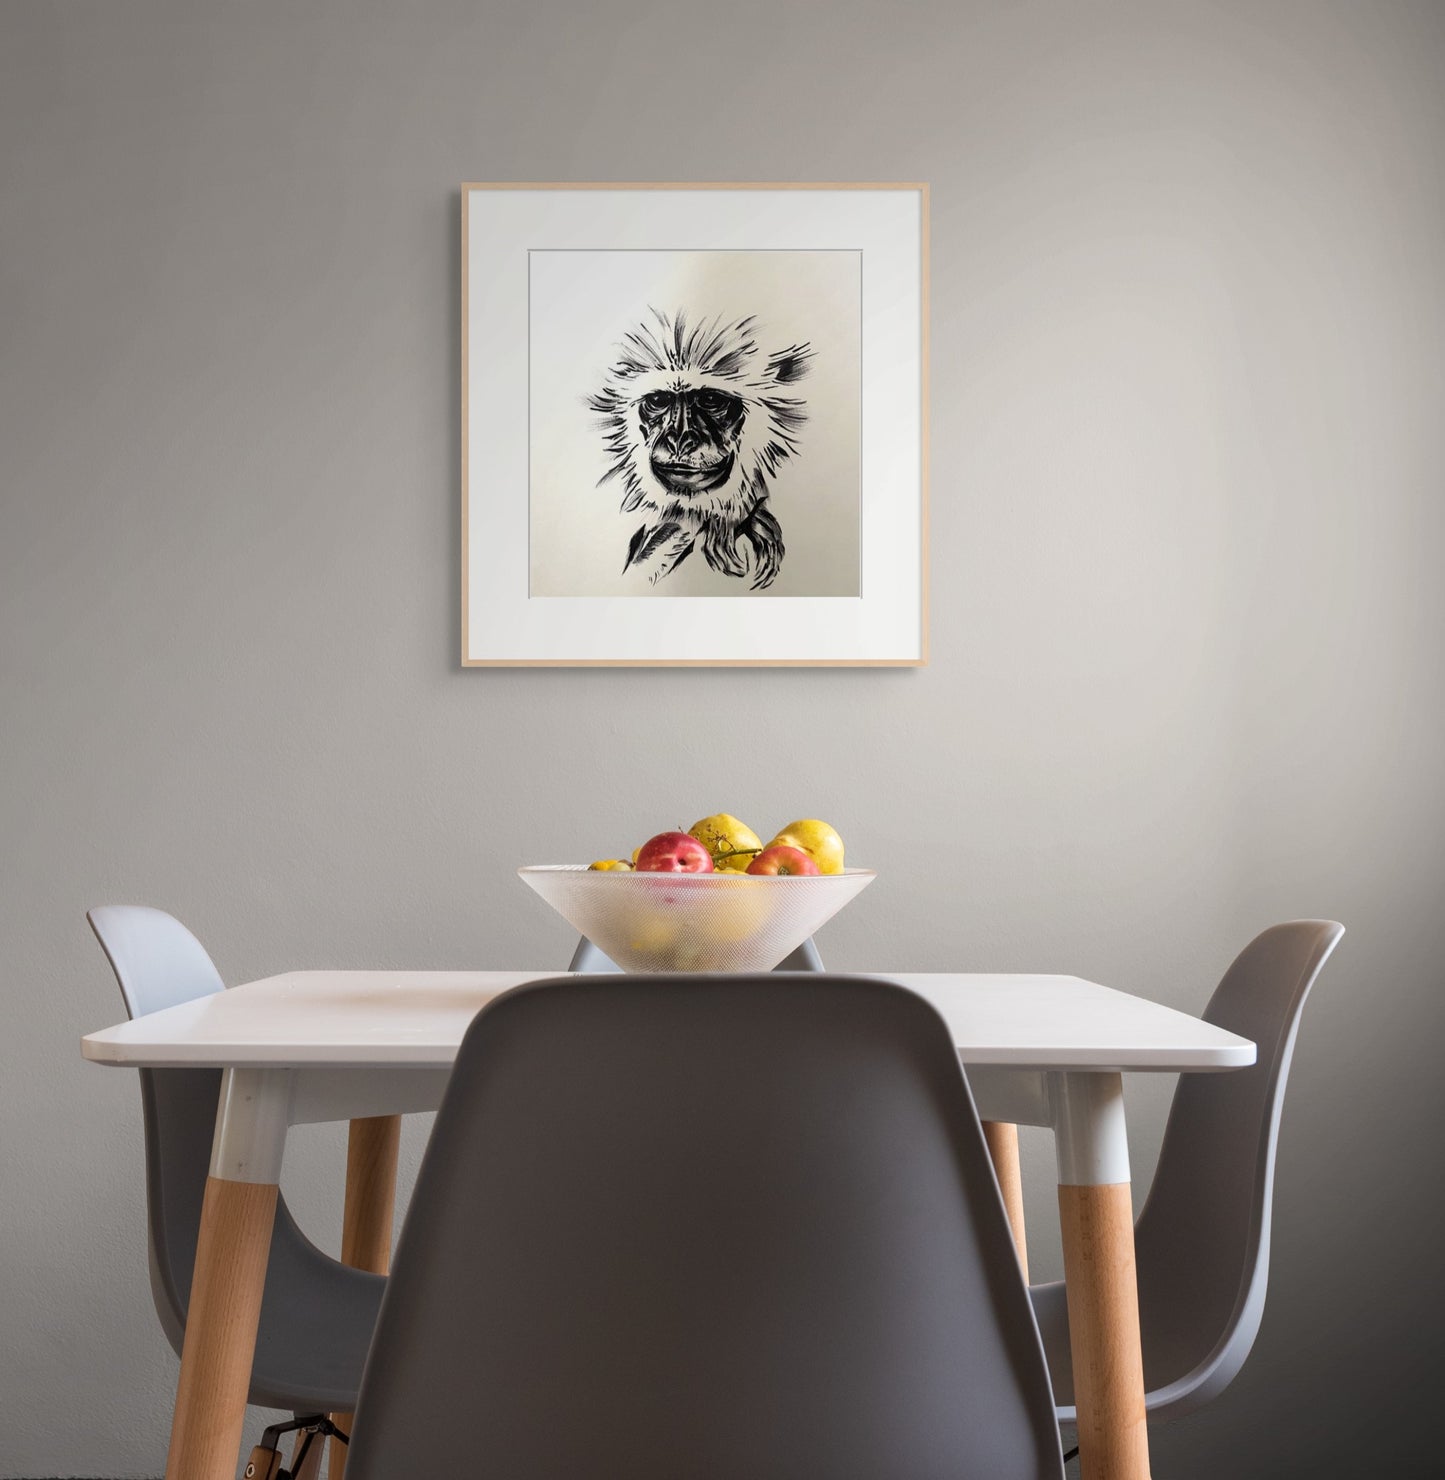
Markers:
(232, 1250)
(1003, 1147)
(371, 1154)
(1096, 1217)
(1098, 1233)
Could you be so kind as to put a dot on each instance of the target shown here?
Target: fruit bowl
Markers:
(694, 922)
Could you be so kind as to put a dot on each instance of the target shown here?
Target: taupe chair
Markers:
(706, 1226)
(1202, 1238)
(317, 1314)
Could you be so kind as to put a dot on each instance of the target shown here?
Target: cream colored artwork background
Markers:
(582, 303)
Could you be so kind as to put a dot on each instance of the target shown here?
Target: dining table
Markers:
(370, 1046)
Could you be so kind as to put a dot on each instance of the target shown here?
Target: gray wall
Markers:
(1187, 524)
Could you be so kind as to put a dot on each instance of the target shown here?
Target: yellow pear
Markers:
(817, 839)
(733, 844)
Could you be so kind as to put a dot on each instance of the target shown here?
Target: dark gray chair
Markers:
(317, 1314)
(590, 958)
(1202, 1238)
(721, 1227)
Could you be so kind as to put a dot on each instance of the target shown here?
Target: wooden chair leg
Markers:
(1003, 1147)
(371, 1155)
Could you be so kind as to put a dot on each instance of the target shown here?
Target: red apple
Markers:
(784, 861)
(673, 853)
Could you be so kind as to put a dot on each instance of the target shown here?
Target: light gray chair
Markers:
(1202, 1238)
(589, 958)
(706, 1226)
(317, 1314)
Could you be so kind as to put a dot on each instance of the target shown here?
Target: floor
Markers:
(1071, 1472)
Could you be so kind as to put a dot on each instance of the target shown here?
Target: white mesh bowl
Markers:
(694, 922)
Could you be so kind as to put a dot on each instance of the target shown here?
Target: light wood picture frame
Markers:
(694, 424)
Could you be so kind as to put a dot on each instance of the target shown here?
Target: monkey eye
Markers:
(711, 400)
(656, 401)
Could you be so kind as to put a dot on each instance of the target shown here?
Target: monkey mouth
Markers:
(686, 476)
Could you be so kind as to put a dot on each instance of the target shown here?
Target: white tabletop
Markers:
(416, 1019)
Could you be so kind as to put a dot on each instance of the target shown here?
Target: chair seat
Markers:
(317, 1316)
(1051, 1311)
(1171, 1386)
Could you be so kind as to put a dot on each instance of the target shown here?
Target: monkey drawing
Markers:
(696, 421)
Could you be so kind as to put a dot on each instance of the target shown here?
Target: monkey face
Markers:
(696, 421)
(692, 435)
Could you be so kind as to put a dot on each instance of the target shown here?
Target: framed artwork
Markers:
(694, 424)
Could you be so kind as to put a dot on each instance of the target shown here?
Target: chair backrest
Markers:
(1203, 1235)
(158, 964)
(590, 958)
(713, 1226)
(157, 961)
